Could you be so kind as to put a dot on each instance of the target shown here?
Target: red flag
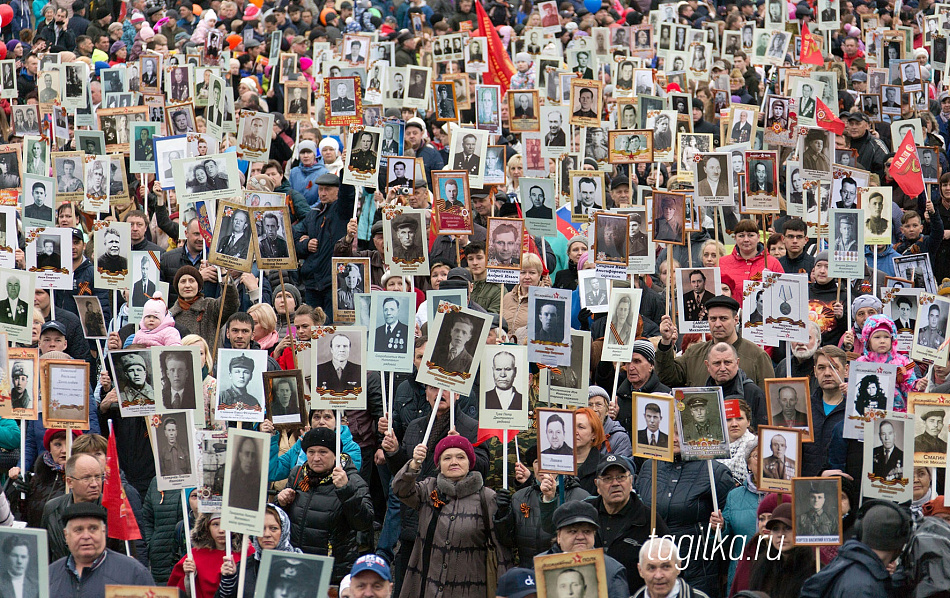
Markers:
(811, 52)
(905, 169)
(500, 67)
(826, 119)
(122, 525)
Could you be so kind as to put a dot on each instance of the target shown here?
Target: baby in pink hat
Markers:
(157, 327)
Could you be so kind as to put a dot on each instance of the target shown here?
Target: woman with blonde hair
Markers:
(515, 171)
(265, 325)
(209, 385)
(711, 251)
(514, 304)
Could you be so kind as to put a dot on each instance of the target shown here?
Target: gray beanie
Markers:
(577, 239)
(294, 291)
(822, 256)
(885, 528)
(865, 301)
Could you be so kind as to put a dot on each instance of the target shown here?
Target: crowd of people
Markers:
(779, 114)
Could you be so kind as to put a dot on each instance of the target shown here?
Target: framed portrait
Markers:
(449, 361)
(917, 268)
(888, 441)
(283, 573)
(929, 163)
(780, 458)
(901, 128)
(488, 108)
(566, 385)
(712, 173)
(549, 327)
(173, 448)
(623, 307)
(587, 192)
(556, 441)
(245, 481)
(701, 423)
(669, 215)
(254, 135)
(586, 102)
(240, 394)
(816, 506)
(539, 215)
(8, 79)
(451, 199)
(112, 263)
(340, 375)
(446, 103)
(789, 404)
(504, 243)
(362, 163)
(180, 119)
(593, 291)
(49, 86)
(285, 399)
(583, 570)
(523, 110)
(654, 426)
(115, 124)
(343, 97)
(69, 174)
(933, 317)
(142, 147)
(610, 239)
(219, 115)
(503, 394)
(177, 381)
(135, 381)
(207, 177)
(36, 160)
(465, 153)
(761, 181)
(403, 234)
(417, 93)
(150, 69)
(36, 199)
(876, 203)
(351, 276)
(22, 369)
(695, 287)
(392, 322)
(26, 120)
(691, 146)
(26, 550)
(66, 398)
(180, 83)
(273, 238)
(930, 429)
(91, 317)
(297, 99)
(231, 244)
(166, 150)
(76, 94)
(630, 146)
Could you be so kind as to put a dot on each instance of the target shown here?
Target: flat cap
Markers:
(723, 301)
(84, 509)
(575, 511)
(331, 180)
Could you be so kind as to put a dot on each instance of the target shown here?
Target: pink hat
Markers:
(305, 63)
(251, 13)
(155, 307)
(458, 442)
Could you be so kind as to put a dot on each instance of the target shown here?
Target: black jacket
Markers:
(521, 527)
(872, 153)
(170, 263)
(815, 454)
(327, 226)
(856, 573)
(741, 387)
(625, 394)
(326, 516)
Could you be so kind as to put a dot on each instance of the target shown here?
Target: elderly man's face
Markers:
(112, 244)
(886, 433)
(406, 236)
(570, 584)
(778, 445)
(239, 222)
(86, 538)
(468, 144)
(503, 371)
(713, 168)
(340, 349)
(537, 196)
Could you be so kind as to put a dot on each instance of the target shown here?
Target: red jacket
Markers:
(849, 59)
(739, 269)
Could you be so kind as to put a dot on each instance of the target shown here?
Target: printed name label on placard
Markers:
(611, 272)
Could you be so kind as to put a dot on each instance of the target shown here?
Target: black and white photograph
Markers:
(150, 71)
(343, 98)
(504, 388)
(49, 87)
(134, 381)
(10, 166)
(931, 331)
(8, 79)
(816, 511)
(900, 129)
(36, 156)
(287, 574)
(254, 135)
(701, 423)
(356, 48)
(362, 163)
(669, 218)
(142, 148)
(231, 243)
(714, 179)
(144, 267)
(25, 120)
(868, 386)
(220, 111)
(392, 331)
(24, 553)
(930, 430)
(910, 76)
(297, 98)
(780, 458)
(871, 106)
(549, 330)
(454, 349)
(846, 241)
(16, 306)
(888, 442)
(556, 441)
(91, 143)
(778, 44)
(929, 163)
(586, 102)
(523, 110)
(173, 446)
(37, 199)
(876, 203)
(488, 108)
(350, 276)
(178, 380)
(285, 397)
(210, 177)
(817, 150)
(611, 237)
(567, 384)
(240, 385)
(91, 317)
(112, 262)
(77, 80)
(270, 238)
(245, 486)
(68, 172)
(340, 380)
(621, 330)
(167, 150)
(916, 267)
(694, 288)
(587, 193)
(654, 426)
(404, 233)
(179, 120)
(417, 91)
(401, 171)
(593, 291)
(776, 115)
(466, 153)
(789, 404)
(504, 243)
(446, 104)
(65, 399)
(97, 171)
(180, 84)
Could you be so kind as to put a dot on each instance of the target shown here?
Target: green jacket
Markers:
(161, 513)
(689, 368)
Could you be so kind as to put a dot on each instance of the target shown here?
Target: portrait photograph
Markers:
(65, 396)
(630, 146)
(780, 458)
(669, 218)
(180, 83)
(451, 200)
(611, 237)
(49, 86)
(588, 193)
(654, 426)
(876, 203)
(910, 76)
(350, 277)
(417, 91)
(36, 200)
(10, 172)
(362, 163)
(777, 120)
(26, 120)
(112, 262)
(404, 234)
(178, 380)
(150, 68)
(761, 181)
(789, 404)
(24, 553)
(356, 48)
(297, 100)
(459, 335)
(77, 81)
(694, 288)
(240, 394)
(466, 153)
(16, 306)
(583, 572)
(743, 124)
(900, 129)
(871, 106)
(392, 326)
(344, 101)
(36, 159)
(286, 573)
(204, 178)
(446, 105)
(556, 441)
(540, 215)
(593, 291)
(69, 173)
(504, 390)
(692, 146)
(285, 397)
(488, 108)
(272, 237)
(931, 330)
(340, 376)
(713, 176)
(900, 305)
(624, 305)
(145, 274)
(173, 447)
(916, 267)
(701, 423)
(401, 172)
(929, 163)
(8, 79)
(930, 430)
(504, 243)
(90, 316)
(888, 442)
(586, 102)
(868, 395)
(179, 120)
(524, 111)
(135, 383)
(245, 485)
(254, 135)
(816, 518)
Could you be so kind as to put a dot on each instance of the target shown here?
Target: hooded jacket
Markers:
(164, 335)
(856, 573)
(280, 465)
(304, 180)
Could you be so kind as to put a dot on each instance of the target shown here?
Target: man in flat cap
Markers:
(139, 390)
(20, 391)
(406, 245)
(241, 369)
(929, 441)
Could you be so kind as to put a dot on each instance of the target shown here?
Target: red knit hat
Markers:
(769, 503)
(48, 436)
(934, 507)
(458, 442)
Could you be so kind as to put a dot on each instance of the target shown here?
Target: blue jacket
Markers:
(304, 180)
(885, 260)
(432, 160)
(327, 224)
(280, 465)
(741, 517)
(855, 573)
(82, 278)
(114, 569)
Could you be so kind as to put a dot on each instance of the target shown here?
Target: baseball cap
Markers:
(374, 563)
(614, 461)
(53, 325)
(517, 583)
(856, 115)
(460, 274)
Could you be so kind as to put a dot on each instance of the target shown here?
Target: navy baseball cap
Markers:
(517, 583)
(371, 562)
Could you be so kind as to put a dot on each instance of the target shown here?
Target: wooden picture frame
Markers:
(772, 465)
(773, 389)
(300, 406)
(802, 491)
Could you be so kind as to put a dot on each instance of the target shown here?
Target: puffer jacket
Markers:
(280, 465)
(323, 515)
(164, 335)
(520, 528)
(160, 516)
(619, 439)
(684, 501)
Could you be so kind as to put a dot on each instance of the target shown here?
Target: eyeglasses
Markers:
(610, 479)
(88, 479)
